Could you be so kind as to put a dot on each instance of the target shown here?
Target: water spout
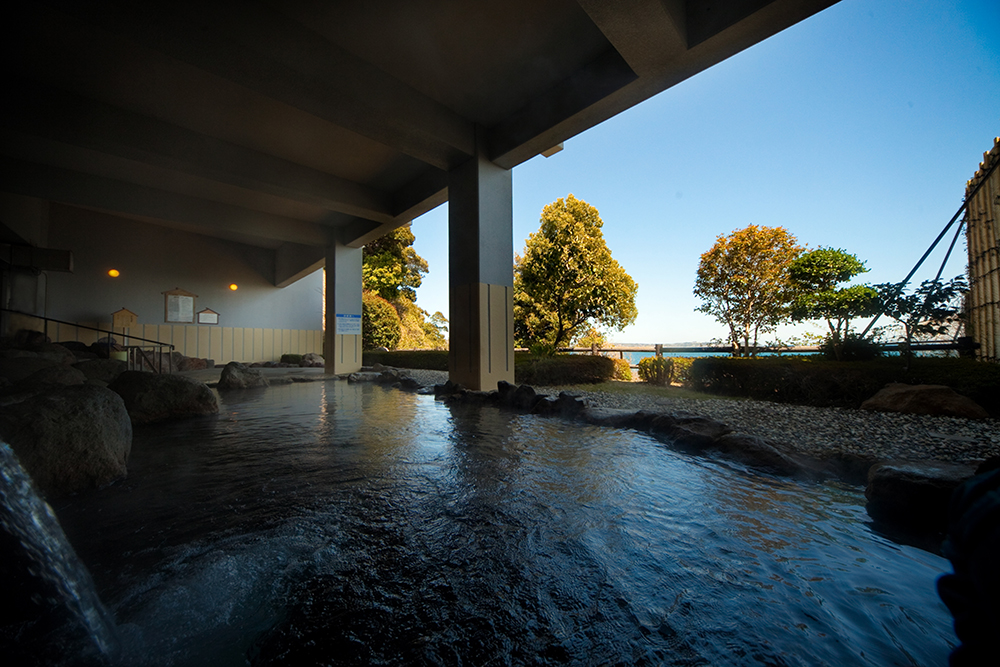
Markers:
(51, 581)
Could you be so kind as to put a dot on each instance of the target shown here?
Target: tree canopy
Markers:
(567, 280)
(743, 282)
(815, 276)
(930, 310)
(391, 268)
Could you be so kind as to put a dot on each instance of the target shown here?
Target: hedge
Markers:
(431, 360)
(812, 381)
(563, 369)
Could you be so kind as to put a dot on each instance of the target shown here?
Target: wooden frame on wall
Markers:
(208, 316)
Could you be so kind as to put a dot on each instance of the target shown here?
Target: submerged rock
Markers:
(152, 397)
(71, 438)
(239, 376)
(924, 399)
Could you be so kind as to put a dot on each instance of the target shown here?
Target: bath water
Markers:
(332, 523)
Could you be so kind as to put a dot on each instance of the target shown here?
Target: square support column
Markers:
(342, 341)
(481, 274)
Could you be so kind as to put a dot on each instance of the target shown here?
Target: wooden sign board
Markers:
(124, 319)
(208, 316)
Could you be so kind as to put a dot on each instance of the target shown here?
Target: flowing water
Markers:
(329, 523)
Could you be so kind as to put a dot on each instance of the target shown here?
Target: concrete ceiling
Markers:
(290, 123)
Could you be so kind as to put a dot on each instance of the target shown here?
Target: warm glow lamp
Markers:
(114, 273)
(234, 286)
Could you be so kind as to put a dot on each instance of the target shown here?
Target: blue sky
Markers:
(856, 128)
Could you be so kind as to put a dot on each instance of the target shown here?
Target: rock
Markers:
(29, 337)
(914, 496)
(524, 397)
(152, 397)
(55, 352)
(70, 439)
(448, 388)
(53, 375)
(756, 452)
(24, 364)
(364, 377)
(313, 360)
(192, 364)
(569, 405)
(238, 376)
(688, 432)
(924, 399)
(105, 370)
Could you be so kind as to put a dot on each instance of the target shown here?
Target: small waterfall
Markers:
(52, 580)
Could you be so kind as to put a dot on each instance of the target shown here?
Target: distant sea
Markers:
(634, 357)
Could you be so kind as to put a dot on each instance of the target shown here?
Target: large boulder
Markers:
(54, 352)
(70, 439)
(152, 397)
(240, 376)
(53, 375)
(924, 399)
(914, 496)
(16, 365)
(102, 370)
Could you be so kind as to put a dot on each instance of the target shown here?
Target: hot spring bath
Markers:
(329, 523)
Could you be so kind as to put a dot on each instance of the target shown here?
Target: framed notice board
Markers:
(178, 306)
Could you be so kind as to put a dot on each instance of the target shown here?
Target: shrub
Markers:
(431, 360)
(380, 325)
(656, 370)
(682, 369)
(855, 348)
(623, 371)
(563, 369)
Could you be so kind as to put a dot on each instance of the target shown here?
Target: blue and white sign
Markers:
(348, 325)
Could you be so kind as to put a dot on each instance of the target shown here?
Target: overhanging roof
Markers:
(294, 122)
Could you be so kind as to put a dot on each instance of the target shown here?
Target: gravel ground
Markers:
(817, 431)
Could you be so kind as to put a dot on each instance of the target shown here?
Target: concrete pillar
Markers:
(481, 277)
(342, 342)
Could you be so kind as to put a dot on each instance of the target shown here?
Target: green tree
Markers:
(815, 276)
(380, 325)
(391, 268)
(929, 311)
(743, 282)
(567, 280)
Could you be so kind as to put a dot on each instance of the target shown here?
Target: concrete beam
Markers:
(644, 32)
(265, 51)
(525, 134)
(78, 189)
(293, 262)
(72, 119)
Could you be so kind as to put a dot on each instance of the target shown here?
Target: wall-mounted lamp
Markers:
(233, 286)
(114, 273)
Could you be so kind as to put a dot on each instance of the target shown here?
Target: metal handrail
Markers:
(127, 348)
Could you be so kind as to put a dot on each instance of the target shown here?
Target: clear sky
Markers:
(857, 128)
